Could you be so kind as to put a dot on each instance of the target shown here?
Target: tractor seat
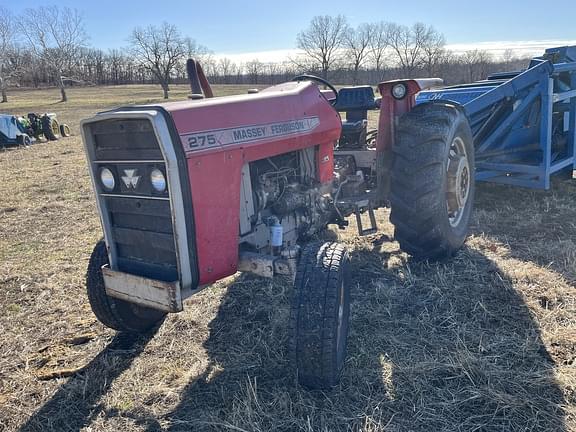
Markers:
(353, 127)
(359, 98)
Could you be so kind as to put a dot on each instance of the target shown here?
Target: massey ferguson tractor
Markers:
(192, 192)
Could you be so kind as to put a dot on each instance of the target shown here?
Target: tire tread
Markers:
(416, 179)
(313, 318)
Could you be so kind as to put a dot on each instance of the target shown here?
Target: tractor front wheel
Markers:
(23, 140)
(432, 187)
(65, 130)
(320, 314)
(115, 313)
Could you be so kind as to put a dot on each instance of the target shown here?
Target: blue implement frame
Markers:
(524, 127)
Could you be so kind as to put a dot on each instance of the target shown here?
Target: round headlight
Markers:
(107, 179)
(158, 180)
(399, 91)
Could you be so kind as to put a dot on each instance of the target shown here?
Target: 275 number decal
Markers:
(199, 141)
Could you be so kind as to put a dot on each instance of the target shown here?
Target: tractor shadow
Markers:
(535, 226)
(456, 345)
(446, 346)
(76, 403)
(246, 350)
(5, 148)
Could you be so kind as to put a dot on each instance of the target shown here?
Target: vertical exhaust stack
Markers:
(198, 82)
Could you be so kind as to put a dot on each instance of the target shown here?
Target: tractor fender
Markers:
(456, 105)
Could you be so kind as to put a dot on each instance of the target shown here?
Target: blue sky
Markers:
(252, 26)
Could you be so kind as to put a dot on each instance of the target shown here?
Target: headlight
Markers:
(107, 179)
(158, 180)
(399, 91)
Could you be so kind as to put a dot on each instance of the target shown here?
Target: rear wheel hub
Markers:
(458, 187)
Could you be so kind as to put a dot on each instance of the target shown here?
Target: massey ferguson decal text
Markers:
(246, 134)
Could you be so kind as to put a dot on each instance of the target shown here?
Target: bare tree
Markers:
(509, 57)
(446, 64)
(226, 68)
(323, 40)
(433, 44)
(408, 44)
(54, 35)
(209, 64)
(116, 60)
(379, 42)
(254, 69)
(159, 50)
(357, 42)
(477, 62)
(272, 69)
(7, 40)
(195, 50)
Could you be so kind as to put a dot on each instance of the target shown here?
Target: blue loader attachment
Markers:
(523, 123)
(11, 131)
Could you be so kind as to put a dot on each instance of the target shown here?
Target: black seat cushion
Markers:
(352, 126)
(355, 98)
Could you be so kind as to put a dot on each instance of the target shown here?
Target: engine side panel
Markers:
(220, 135)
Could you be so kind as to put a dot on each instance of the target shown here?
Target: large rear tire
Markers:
(432, 187)
(115, 313)
(50, 128)
(320, 314)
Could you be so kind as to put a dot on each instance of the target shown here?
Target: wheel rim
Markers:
(55, 128)
(458, 189)
(340, 328)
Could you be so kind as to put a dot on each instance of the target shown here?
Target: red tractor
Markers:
(192, 192)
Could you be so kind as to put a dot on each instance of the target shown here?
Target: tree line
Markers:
(48, 46)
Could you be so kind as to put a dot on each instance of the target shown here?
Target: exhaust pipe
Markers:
(199, 84)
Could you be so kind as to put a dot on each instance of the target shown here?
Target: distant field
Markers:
(483, 342)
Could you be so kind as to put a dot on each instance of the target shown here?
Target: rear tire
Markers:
(50, 128)
(320, 315)
(432, 186)
(115, 313)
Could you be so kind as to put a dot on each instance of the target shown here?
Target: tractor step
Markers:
(373, 226)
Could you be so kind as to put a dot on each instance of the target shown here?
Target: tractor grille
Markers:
(139, 218)
(125, 140)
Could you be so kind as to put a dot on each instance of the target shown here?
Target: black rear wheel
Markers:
(115, 313)
(432, 187)
(50, 128)
(320, 315)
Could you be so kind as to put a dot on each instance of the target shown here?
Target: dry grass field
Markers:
(484, 342)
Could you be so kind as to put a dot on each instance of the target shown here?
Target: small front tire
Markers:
(319, 318)
(65, 130)
(23, 140)
(115, 313)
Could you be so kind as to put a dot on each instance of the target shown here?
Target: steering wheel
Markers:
(306, 77)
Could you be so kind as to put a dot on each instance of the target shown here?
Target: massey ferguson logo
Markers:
(130, 179)
(246, 134)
